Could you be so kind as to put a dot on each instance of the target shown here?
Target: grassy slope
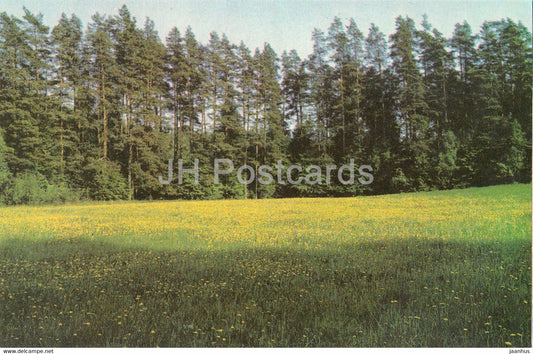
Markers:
(427, 269)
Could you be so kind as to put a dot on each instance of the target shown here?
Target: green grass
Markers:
(434, 269)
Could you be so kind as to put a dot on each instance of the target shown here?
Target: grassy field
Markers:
(448, 268)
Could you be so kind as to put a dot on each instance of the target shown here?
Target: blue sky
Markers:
(285, 24)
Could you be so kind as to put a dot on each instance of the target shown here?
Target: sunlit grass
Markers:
(427, 269)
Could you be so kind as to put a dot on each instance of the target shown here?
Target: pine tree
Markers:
(380, 131)
(66, 42)
(411, 104)
(18, 97)
(376, 49)
(464, 51)
(355, 128)
(337, 42)
(437, 64)
(320, 94)
(294, 87)
(516, 101)
(499, 143)
(245, 86)
(383, 133)
(102, 173)
(275, 126)
(149, 139)
(39, 51)
(102, 68)
(176, 72)
(215, 67)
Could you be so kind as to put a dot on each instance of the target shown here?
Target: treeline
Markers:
(97, 113)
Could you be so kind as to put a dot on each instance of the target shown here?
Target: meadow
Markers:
(429, 269)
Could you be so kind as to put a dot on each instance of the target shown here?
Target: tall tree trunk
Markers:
(343, 116)
(105, 128)
(130, 151)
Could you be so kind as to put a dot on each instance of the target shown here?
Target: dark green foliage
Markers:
(34, 189)
(104, 181)
(411, 105)
(102, 110)
(5, 174)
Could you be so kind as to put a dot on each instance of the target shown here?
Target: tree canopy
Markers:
(97, 113)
